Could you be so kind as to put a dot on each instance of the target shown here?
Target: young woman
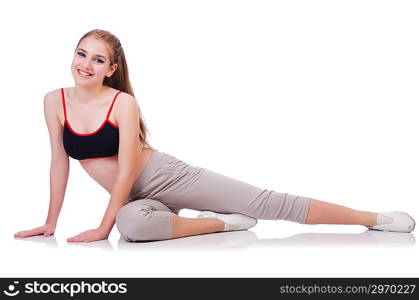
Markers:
(99, 123)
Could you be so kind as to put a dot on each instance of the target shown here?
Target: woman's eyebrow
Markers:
(95, 54)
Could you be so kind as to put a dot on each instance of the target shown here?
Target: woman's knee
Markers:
(145, 220)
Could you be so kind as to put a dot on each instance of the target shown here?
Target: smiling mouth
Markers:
(84, 73)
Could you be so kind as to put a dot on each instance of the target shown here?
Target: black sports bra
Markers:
(103, 142)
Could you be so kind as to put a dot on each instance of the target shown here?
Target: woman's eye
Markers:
(98, 59)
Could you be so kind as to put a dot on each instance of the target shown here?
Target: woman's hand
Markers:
(90, 236)
(46, 230)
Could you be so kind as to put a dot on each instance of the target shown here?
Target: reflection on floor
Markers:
(248, 239)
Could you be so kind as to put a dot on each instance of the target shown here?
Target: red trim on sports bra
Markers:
(98, 157)
(114, 125)
(62, 98)
(103, 124)
(109, 112)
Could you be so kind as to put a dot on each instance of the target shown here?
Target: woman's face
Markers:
(91, 62)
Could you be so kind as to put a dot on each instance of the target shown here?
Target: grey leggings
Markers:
(167, 184)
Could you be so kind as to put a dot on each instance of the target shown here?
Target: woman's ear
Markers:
(112, 70)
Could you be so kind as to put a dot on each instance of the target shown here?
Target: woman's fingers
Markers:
(28, 233)
(22, 233)
(73, 239)
(77, 238)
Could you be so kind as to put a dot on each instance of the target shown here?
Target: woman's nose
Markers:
(86, 64)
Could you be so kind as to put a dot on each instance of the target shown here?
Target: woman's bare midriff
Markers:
(105, 170)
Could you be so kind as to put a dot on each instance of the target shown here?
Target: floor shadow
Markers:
(51, 241)
(248, 239)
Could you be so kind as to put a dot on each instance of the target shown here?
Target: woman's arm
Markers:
(127, 114)
(58, 182)
(59, 169)
(60, 165)
(119, 196)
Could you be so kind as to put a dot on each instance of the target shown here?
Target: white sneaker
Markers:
(397, 221)
(231, 221)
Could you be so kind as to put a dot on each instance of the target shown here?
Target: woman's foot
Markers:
(394, 221)
(231, 221)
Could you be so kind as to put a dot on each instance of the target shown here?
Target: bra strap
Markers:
(110, 109)
(62, 98)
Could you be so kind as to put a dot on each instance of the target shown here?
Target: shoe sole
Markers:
(414, 223)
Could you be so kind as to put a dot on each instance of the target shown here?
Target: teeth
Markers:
(84, 73)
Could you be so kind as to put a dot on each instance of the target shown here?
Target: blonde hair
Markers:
(120, 78)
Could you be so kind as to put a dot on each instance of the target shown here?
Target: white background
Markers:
(315, 98)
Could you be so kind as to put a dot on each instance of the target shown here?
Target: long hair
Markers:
(120, 78)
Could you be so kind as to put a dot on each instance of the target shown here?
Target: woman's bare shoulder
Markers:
(52, 103)
(56, 92)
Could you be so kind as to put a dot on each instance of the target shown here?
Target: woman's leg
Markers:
(193, 226)
(150, 220)
(321, 212)
(201, 189)
(176, 185)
